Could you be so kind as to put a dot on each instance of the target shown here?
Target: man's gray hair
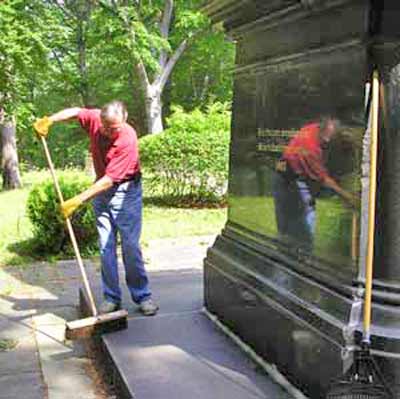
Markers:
(325, 120)
(114, 109)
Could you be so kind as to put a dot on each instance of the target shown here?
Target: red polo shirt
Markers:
(304, 153)
(117, 158)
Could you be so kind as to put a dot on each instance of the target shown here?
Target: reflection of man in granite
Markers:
(300, 174)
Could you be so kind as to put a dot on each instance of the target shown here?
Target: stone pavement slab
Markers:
(167, 289)
(34, 304)
(180, 352)
(177, 254)
(63, 363)
(22, 386)
(20, 374)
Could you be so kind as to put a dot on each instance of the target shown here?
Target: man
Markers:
(300, 173)
(117, 198)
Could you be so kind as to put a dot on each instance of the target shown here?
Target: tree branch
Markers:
(143, 77)
(106, 7)
(162, 80)
(61, 67)
(166, 19)
(140, 68)
(164, 29)
(63, 9)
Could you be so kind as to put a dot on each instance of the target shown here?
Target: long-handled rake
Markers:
(96, 324)
(364, 380)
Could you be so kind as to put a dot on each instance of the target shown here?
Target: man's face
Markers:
(111, 127)
(329, 132)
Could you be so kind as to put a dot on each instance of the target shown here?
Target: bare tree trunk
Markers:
(9, 156)
(153, 89)
(154, 111)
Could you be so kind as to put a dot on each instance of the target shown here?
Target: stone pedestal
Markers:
(300, 307)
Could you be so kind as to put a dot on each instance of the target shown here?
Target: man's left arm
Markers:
(120, 159)
(70, 206)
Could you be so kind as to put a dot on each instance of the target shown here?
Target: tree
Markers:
(69, 45)
(205, 73)
(151, 36)
(9, 155)
(21, 48)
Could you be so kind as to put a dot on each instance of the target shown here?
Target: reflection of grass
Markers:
(333, 226)
(255, 213)
(333, 229)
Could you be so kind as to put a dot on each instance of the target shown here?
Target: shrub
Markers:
(68, 144)
(50, 232)
(190, 158)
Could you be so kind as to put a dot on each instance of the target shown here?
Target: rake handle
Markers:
(371, 205)
(70, 231)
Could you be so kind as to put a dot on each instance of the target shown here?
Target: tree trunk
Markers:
(154, 112)
(9, 156)
(153, 90)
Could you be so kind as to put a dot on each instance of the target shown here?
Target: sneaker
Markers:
(148, 307)
(108, 307)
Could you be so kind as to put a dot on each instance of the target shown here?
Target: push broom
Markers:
(96, 324)
(364, 380)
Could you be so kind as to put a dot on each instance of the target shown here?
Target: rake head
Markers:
(364, 380)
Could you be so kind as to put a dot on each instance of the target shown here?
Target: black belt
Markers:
(135, 178)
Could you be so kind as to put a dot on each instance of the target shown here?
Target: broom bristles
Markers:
(90, 326)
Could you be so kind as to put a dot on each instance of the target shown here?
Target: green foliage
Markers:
(133, 30)
(59, 54)
(68, 144)
(205, 72)
(49, 227)
(21, 47)
(190, 159)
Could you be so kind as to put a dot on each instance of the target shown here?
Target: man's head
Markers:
(328, 128)
(113, 116)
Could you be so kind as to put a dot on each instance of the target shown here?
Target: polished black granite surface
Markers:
(287, 271)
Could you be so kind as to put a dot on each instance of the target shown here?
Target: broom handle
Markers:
(70, 231)
(371, 207)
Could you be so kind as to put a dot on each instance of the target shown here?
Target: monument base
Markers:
(304, 327)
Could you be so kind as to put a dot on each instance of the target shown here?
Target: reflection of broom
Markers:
(364, 380)
(354, 237)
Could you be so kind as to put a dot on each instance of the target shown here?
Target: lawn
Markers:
(158, 222)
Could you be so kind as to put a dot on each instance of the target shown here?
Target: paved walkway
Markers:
(35, 302)
(36, 362)
(180, 352)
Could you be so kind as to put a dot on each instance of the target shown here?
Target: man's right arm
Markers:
(42, 125)
(352, 200)
(65, 115)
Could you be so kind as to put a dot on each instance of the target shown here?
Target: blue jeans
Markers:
(119, 210)
(294, 210)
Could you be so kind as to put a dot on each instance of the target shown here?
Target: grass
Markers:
(16, 238)
(15, 225)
